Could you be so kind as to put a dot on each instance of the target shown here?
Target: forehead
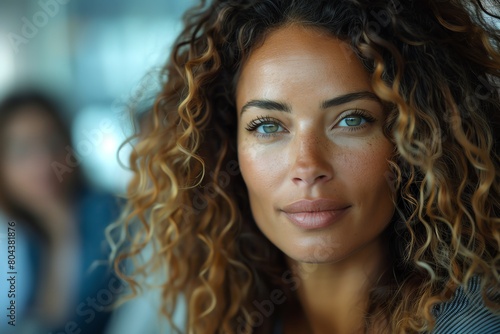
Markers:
(297, 58)
(30, 119)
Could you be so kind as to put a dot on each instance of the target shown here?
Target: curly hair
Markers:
(435, 63)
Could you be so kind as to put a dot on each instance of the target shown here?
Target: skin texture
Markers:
(317, 153)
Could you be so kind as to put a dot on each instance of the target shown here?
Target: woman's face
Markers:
(31, 143)
(311, 147)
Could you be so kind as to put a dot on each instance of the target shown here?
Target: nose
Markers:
(311, 161)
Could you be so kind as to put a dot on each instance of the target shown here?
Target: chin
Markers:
(316, 253)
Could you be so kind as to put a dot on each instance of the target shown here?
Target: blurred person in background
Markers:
(59, 220)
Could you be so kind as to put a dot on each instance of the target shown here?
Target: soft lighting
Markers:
(7, 62)
(97, 136)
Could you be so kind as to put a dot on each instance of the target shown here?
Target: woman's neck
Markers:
(334, 296)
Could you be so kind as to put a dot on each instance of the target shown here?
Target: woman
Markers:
(59, 222)
(367, 194)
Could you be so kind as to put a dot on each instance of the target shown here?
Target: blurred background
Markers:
(96, 55)
(70, 70)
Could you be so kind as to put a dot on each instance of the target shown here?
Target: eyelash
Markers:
(262, 120)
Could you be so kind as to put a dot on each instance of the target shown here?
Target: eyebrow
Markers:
(267, 105)
(336, 101)
(342, 99)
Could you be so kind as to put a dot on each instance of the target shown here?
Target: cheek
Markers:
(14, 174)
(16, 182)
(366, 175)
(26, 176)
(261, 168)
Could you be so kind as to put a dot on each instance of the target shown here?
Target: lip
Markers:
(314, 214)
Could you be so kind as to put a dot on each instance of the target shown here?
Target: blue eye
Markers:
(265, 126)
(269, 128)
(352, 120)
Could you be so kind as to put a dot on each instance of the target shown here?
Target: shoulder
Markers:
(96, 209)
(88, 198)
(466, 313)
